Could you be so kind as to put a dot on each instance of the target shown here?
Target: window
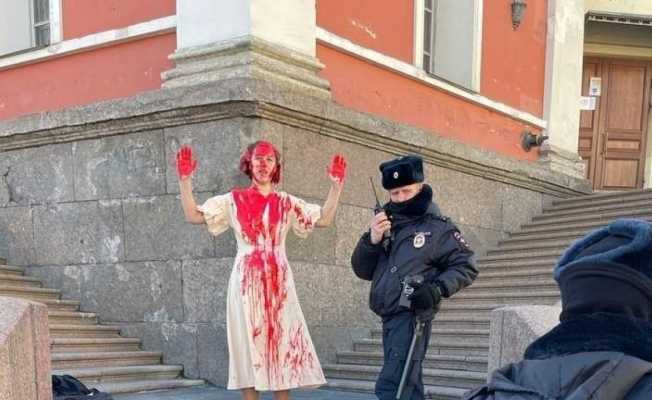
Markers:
(41, 23)
(450, 40)
(24, 25)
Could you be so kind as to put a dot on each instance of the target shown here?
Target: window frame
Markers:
(55, 27)
(419, 39)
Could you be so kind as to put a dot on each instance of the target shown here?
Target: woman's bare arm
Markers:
(188, 202)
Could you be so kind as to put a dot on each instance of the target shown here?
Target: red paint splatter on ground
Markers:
(264, 281)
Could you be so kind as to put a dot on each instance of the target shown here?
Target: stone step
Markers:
(30, 293)
(437, 361)
(9, 269)
(75, 345)
(460, 321)
(431, 376)
(8, 279)
(479, 337)
(595, 209)
(576, 225)
(449, 309)
(515, 264)
(599, 198)
(508, 297)
(543, 275)
(60, 305)
(432, 392)
(91, 376)
(436, 346)
(533, 286)
(68, 360)
(522, 256)
(146, 385)
(603, 217)
(526, 238)
(84, 331)
(71, 318)
(556, 246)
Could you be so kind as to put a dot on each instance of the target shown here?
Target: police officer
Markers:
(409, 238)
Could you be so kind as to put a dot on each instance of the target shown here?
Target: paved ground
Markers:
(213, 393)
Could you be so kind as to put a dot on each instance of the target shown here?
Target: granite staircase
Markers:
(517, 272)
(96, 354)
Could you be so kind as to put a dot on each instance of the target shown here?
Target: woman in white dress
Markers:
(270, 348)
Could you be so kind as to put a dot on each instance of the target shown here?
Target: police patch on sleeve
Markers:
(460, 239)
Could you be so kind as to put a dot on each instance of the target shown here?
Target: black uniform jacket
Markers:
(429, 245)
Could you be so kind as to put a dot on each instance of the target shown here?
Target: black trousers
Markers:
(397, 336)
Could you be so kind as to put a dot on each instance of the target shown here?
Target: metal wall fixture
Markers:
(529, 140)
(518, 12)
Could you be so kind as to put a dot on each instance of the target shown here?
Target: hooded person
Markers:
(602, 347)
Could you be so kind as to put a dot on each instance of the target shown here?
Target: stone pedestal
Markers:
(272, 40)
(514, 328)
(247, 57)
(25, 366)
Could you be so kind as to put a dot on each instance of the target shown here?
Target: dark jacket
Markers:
(597, 357)
(444, 257)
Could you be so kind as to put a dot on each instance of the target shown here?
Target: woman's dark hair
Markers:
(245, 160)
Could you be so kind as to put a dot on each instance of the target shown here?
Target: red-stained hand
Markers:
(337, 169)
(186, 164)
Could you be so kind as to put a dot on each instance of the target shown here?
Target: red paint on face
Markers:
(263, 162)
(265, 274)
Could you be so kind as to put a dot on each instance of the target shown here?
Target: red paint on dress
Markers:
(264, 280)
(299, 357)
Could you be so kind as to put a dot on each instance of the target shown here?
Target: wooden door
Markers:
(613, 136)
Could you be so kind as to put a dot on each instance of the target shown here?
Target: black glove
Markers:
(425, 297)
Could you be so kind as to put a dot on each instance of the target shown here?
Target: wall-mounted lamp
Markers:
(529, 140)
(518, 10)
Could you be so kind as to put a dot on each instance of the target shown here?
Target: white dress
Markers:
(270, 348)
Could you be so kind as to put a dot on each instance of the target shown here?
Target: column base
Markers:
(247, 57)
(559, 160)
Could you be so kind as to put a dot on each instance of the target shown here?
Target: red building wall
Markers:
(83, 17)
(513, 71)
(513, 67)
(386, 26)
(86, 77)
(514, 61)
(365, 87)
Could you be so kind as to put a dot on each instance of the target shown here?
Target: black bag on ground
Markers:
(66, 387)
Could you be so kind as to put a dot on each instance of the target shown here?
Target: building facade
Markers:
(96, 97)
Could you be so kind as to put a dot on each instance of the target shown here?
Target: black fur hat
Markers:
(402, 171)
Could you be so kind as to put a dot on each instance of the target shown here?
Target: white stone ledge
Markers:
(96, 40)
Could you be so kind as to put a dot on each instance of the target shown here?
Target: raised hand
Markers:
(337, 169)
(186, 164)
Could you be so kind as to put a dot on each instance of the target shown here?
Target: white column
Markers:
(563, 87)
(257, 39)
